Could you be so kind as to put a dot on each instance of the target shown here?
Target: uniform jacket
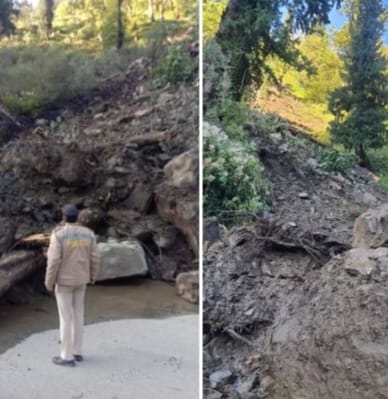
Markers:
(72, 257)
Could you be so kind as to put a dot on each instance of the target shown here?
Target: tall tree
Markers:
(7, 9)
(120, 27)
(47, 15)
(360, 106)
(251, 30)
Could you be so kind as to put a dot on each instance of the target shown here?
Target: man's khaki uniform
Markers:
(72, 262)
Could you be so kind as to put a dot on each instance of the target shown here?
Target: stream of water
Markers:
(140, 298)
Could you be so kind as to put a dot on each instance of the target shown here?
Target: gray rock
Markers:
(121, 259)
(303, 195)
(371, 228)
(220, 378)
(91, 217)
(211, 231)
(182, 171)
(141, 198)
(187, 285)
(248, 384)
(364, 261)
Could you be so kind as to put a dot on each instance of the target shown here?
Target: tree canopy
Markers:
(7, 10)
(252, 30)
(360, 106)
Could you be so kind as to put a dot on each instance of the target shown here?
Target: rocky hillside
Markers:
(126, 154)
(291, 309)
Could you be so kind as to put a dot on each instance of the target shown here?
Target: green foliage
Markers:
(111, 30)
(176, 66)
(379, 161)
(237, 118)
(333, 161)
(360, 106)
(212, 12)
(31, 77)
(250, 31)
(216, 81)
(233, 176)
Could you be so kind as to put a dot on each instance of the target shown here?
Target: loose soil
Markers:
(282, 317)
(106, 155)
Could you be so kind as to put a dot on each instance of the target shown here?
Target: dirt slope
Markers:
(107, 155)
(282, 316)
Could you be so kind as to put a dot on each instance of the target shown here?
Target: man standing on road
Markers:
(72, 263)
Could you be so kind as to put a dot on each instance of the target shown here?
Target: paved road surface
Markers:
(125, 359)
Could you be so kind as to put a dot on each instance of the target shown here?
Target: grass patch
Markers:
(33, 77)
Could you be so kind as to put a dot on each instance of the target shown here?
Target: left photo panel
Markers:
(99, 199)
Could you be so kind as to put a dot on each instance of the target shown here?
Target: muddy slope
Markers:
(283, 318)
(108, 157)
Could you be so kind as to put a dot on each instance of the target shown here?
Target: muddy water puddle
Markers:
(121, 300)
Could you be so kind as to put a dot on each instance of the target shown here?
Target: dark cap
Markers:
(70, 211)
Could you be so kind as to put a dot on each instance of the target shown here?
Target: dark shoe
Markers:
(61, 362)
(78, 358)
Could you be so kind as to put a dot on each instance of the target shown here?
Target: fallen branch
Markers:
(238, 337)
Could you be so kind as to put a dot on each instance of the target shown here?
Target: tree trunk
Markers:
(120, 31)
(49, 16)
(364, 160)
(228, 36)
(151, 10)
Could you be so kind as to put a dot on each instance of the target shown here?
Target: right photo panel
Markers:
(295, 199)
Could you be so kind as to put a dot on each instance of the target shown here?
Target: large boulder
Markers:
(181, 170)
(121, 259)
(18, 265)
(371, 228)
(183, 215)
(176, 198)
(365, 262)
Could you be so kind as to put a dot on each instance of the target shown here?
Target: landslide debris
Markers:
(290, 310)
(107, 156)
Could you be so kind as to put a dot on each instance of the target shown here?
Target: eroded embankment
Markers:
(128, 161)
(288, 311)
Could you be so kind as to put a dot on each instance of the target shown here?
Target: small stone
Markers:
(220, 378)
(266, 383)
(41, 122)
(303, 195)
(250, 312)
(187, 285)
(313, 163)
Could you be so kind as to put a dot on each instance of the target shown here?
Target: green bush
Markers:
(379, 161)
(176, 66)
(233, 116)
(333, 161)
(233, 177)
(33, 77)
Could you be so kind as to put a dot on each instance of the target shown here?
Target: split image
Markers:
(193, 199)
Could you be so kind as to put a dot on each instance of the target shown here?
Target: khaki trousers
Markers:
(70, 302)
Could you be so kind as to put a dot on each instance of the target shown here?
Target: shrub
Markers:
(333, 161)
(233, 177)
(176, 66)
